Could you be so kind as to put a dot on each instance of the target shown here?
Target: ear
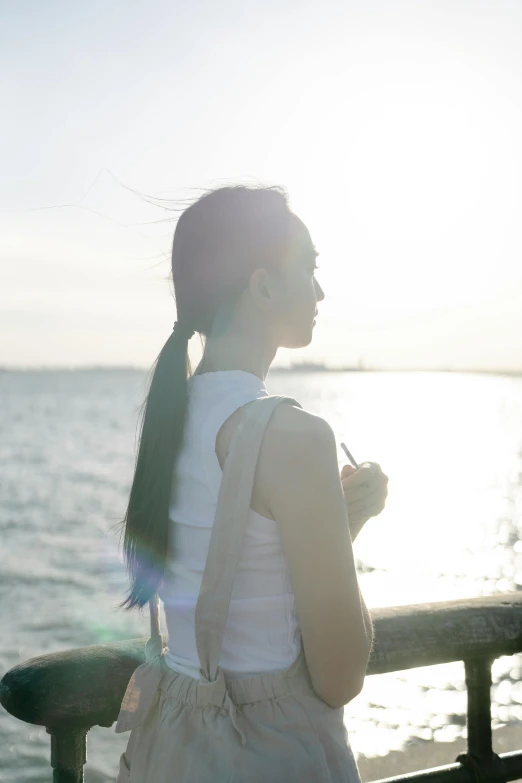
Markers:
(263, 290)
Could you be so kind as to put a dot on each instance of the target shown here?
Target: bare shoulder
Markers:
(290, 434)
(293, 440)
(289, 423)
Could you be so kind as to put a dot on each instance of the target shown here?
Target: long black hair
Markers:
(219, 240)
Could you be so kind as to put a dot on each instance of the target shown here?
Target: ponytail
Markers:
(145, 544)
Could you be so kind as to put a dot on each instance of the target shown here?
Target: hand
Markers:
(365, 492)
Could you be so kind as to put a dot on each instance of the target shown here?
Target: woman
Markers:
(238, 519)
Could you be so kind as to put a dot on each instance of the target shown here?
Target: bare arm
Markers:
(367, 618)
(368, 624)
(305, 496)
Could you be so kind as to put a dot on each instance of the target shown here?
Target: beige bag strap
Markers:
(227, 532)
(155, 643)
(231, 503)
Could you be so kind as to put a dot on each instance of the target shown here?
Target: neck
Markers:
(236, 351)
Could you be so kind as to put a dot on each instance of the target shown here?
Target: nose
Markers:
(319, 292)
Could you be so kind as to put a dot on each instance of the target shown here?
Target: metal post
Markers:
(478, 683)
(480, 758)
(68, 754)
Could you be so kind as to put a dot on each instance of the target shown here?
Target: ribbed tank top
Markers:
(262, 631)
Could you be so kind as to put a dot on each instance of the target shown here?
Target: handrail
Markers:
(426, 634)
(70, 691)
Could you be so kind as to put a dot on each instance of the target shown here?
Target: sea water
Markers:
(451, 444)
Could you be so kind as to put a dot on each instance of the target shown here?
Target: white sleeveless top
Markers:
(262, 631)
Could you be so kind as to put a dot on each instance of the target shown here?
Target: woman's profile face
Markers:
(302, 292)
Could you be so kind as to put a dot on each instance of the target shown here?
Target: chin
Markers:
(299, 339)
(304, 342)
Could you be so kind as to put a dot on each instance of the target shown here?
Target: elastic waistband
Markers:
(242, 690)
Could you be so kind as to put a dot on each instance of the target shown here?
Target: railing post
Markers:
(68, 754)
(478, 683)
(480, 758)
(69, 691)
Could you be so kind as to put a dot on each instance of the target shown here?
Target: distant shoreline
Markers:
(294, 368)
(304, 368)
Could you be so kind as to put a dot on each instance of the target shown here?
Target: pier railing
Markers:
(70, 691)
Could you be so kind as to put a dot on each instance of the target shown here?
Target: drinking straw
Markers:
(345, 449)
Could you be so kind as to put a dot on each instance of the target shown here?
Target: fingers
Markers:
(363, 510)
(362, 476)
(369, 473)
(367, 498)
(354, 488)
(366, 491)
(377, 471)
(366, 495)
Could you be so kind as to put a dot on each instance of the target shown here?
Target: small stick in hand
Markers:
(345, 449)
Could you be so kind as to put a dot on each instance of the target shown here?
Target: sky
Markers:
(394, 126)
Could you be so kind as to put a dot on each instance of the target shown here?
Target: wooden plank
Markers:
(84, 687)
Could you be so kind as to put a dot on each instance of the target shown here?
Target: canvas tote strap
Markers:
(154, 645)
(248, 445)
(227, 532)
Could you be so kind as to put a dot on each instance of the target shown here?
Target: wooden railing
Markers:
(69, 692)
